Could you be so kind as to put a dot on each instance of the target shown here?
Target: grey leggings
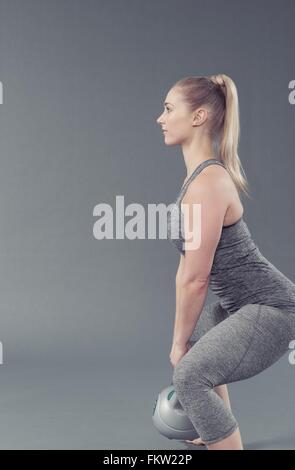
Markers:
(226, 348)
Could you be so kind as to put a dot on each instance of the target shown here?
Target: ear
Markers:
(200, 116)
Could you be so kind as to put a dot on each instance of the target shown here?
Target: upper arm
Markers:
(204, 210)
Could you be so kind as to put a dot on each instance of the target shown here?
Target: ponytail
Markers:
(228, 149)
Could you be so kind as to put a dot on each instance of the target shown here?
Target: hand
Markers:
(177, 352)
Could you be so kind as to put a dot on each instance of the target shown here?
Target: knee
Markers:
(180, 376)
(188, 375)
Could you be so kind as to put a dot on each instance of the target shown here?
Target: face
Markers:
(177, 121)
(174, 120)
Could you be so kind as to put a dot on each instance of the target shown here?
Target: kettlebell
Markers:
(169, 417)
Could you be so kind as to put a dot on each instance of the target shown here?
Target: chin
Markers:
(169, 144)
(169, 141)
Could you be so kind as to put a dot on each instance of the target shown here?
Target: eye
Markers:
(168, 109)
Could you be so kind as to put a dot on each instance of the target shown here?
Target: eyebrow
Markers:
(166, 102)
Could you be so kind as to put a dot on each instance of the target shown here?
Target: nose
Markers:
(159, 119)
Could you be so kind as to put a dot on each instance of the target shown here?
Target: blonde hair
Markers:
(220, 94)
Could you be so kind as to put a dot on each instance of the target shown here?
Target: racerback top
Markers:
(240, 274)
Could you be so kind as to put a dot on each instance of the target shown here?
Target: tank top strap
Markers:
(200, 167)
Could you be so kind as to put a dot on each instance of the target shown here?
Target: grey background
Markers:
(86, 325)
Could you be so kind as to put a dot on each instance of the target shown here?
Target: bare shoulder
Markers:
(216, 173)
(221, 186)
(213, 176)
(218, 181)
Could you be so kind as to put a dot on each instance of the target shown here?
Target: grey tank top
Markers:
(240, 274)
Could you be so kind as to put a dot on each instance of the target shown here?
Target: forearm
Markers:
(177, 295)
(190, 300)
(177, 291)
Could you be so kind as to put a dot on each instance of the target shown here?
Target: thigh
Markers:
(240, 346)
(211, 315)
(272, 333)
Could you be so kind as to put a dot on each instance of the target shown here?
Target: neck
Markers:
(194, 155)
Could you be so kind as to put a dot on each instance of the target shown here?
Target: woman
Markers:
(252, 324)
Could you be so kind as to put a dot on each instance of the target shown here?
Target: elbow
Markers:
(194, 282)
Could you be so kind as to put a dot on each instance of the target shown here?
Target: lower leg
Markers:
(232, 442)
(222, 391)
